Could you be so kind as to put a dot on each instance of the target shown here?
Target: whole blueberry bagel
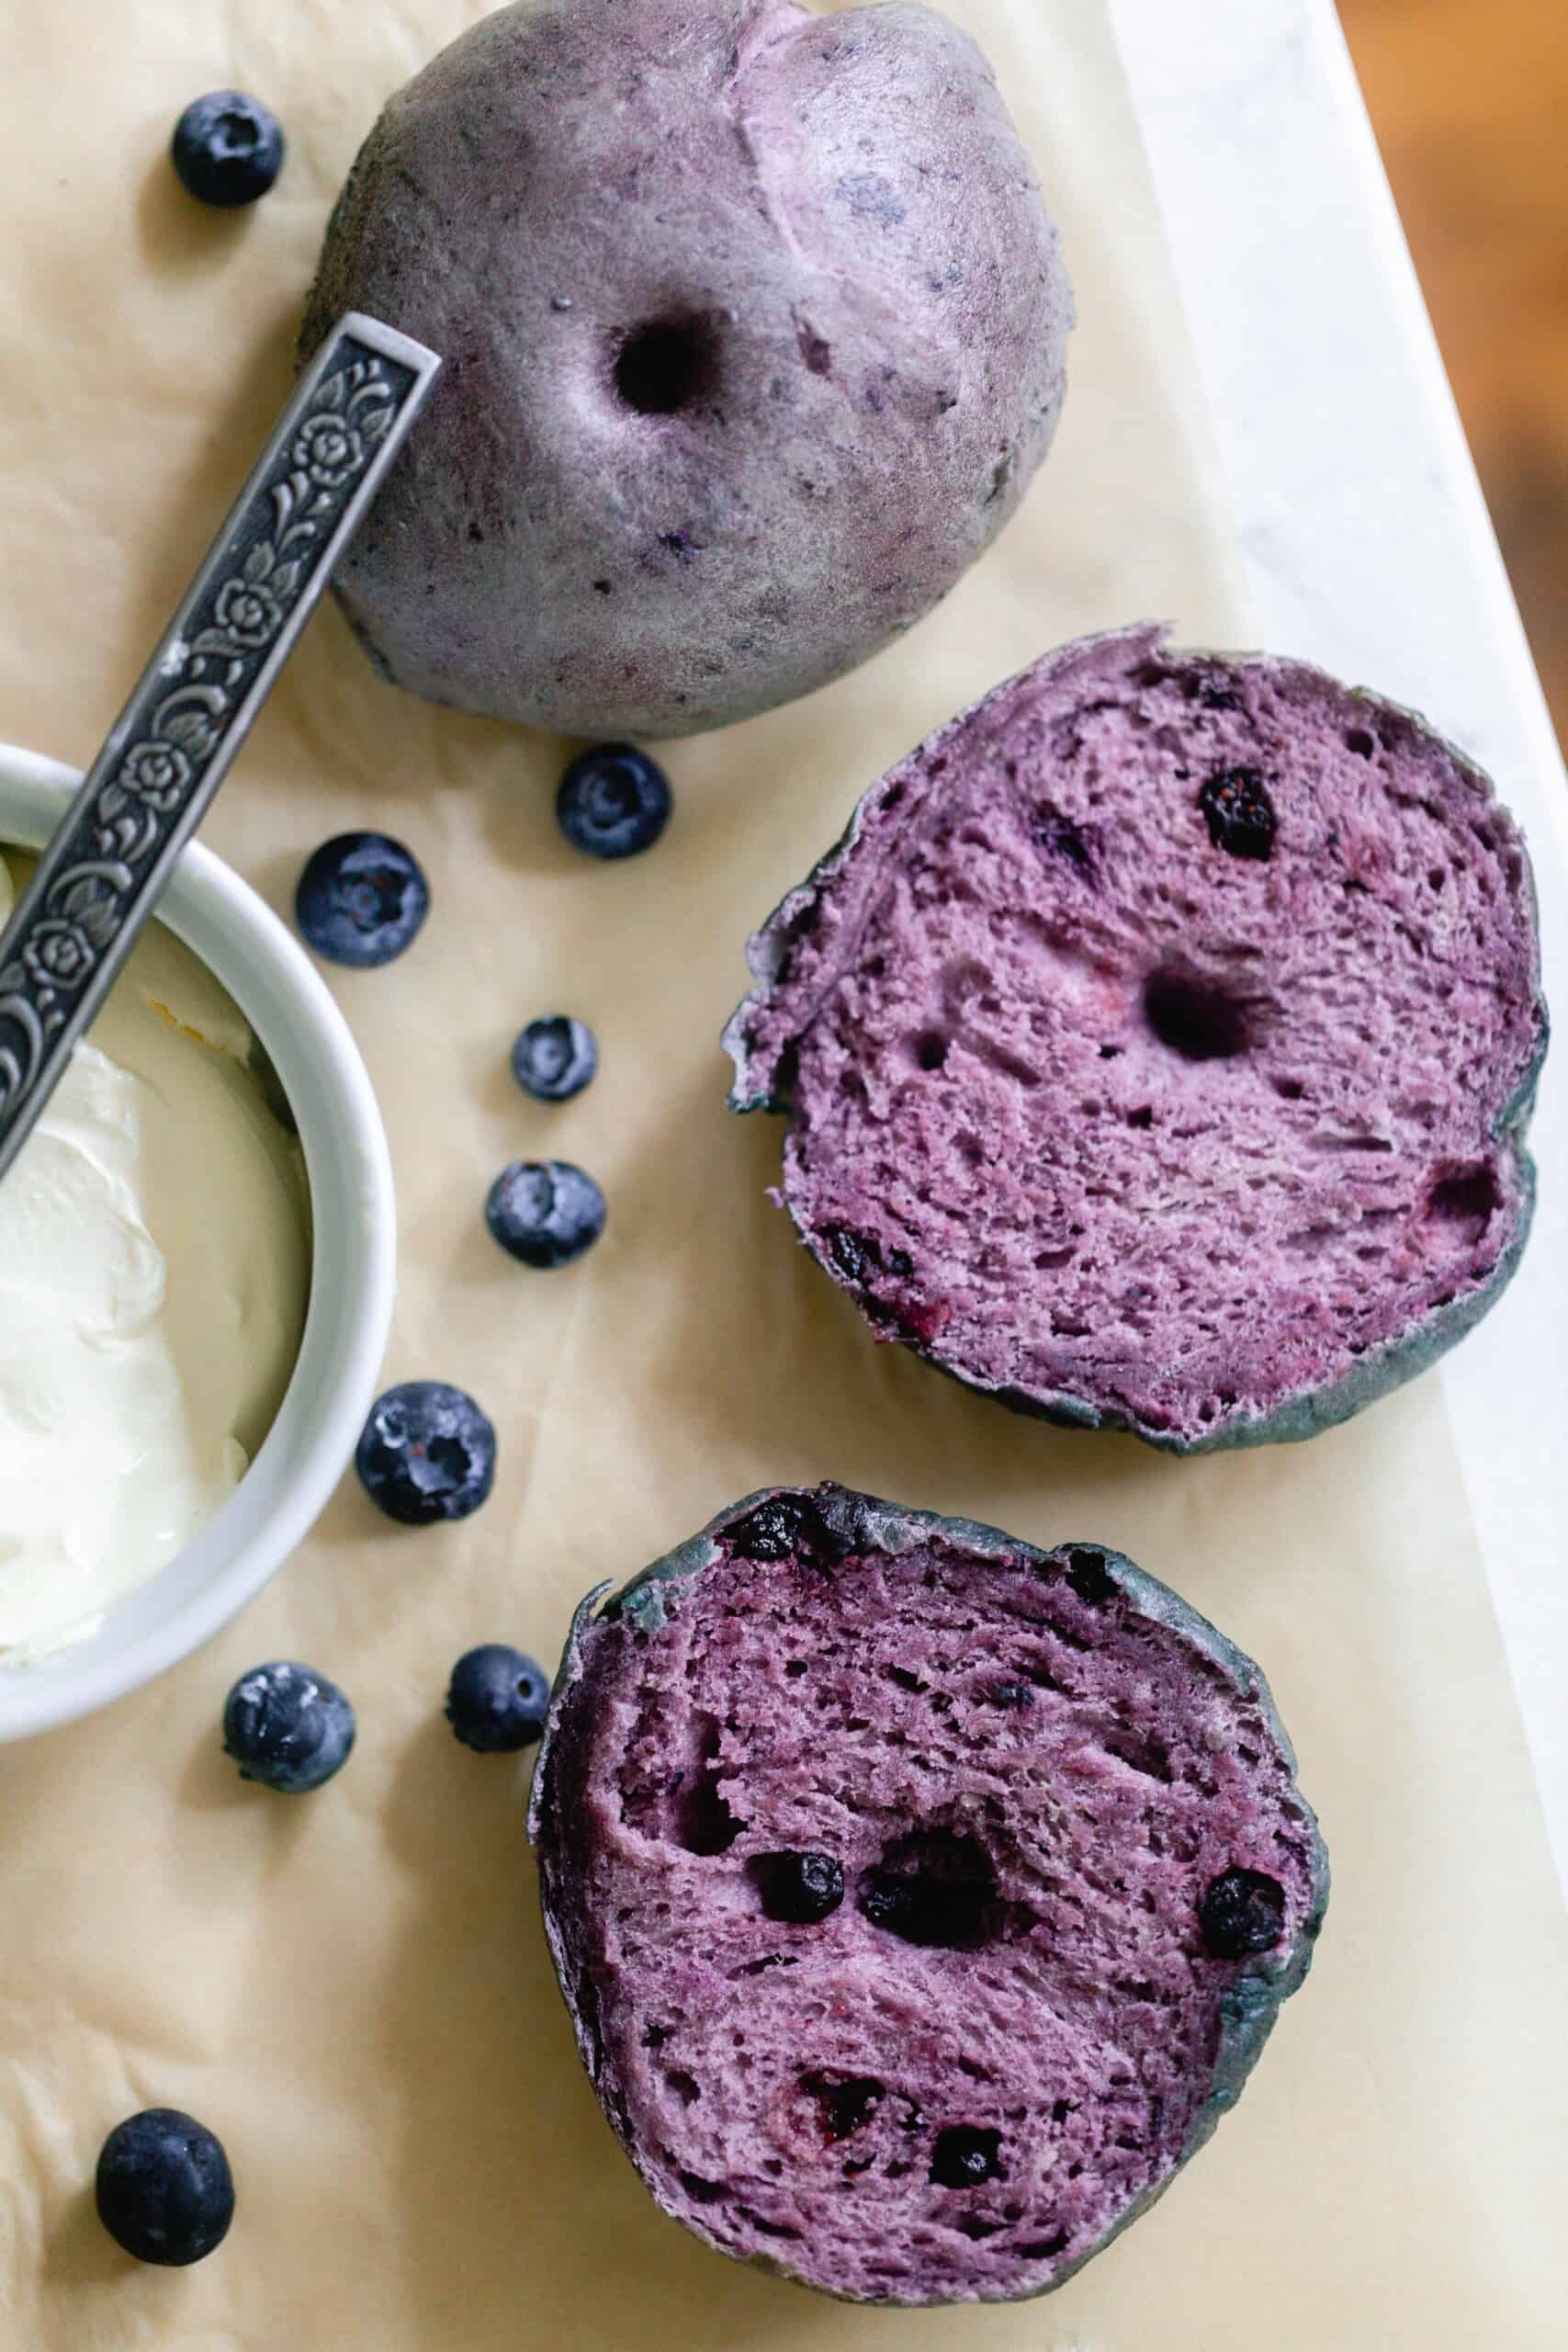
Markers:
(920, 1899)
(755, 329)
(1157, 1045)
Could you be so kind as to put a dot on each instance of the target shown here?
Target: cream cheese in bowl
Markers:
(154, 1274)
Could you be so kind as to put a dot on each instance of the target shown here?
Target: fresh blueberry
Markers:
(427, 1454)
(287, 1726)
(801, 1890)
(614, 801)
(1243, 1912)
(964, 2156)
(545, 1212)
(1238, 812)
(555, 1058)
(228, 149)
(165, 2191)
(497, 1699)
(361, 899)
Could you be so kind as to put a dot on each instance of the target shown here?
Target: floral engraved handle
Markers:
(102, 873)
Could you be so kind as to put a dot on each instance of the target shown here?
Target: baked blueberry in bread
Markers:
(1157, 1045)
(920, 1899)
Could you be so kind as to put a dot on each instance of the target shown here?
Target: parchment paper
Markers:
(352, 1988)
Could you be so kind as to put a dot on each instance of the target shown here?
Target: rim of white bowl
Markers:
(353, 1282)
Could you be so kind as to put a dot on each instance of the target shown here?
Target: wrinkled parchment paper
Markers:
(352, 1988)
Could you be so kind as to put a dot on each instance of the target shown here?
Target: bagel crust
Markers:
(754, 329)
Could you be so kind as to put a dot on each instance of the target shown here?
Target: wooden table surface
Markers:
(1470, 101)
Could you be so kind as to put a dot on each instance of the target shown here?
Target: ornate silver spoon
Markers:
(102, 873)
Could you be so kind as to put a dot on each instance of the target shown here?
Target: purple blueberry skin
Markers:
(227, 148)
(554, 1059)
(1250, 2006)
(1311, 1409)
(497, 1699)
(427, 1454)
(163, 2190)
(362, 901)
(287, 1726)
(544, 1212)
(614, 801)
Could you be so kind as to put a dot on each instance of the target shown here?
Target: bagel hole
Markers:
(1199, 1019)
(665, 365)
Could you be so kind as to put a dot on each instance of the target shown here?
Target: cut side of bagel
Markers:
(1156, 1046)
(920, 1899)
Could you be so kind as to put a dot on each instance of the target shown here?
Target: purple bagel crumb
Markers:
(963, 2098)
(1156, 1047)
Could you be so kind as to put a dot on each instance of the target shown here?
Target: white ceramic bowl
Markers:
(353, 1281)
